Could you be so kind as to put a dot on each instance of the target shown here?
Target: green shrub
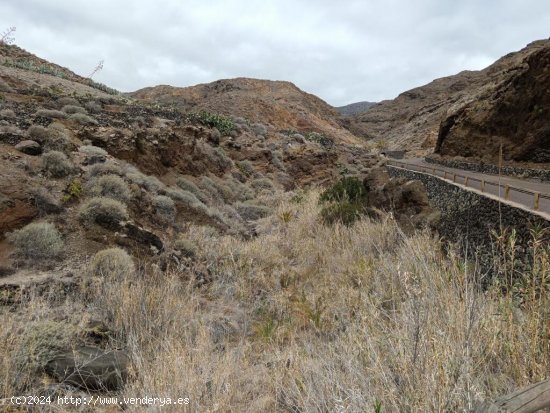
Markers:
(111, 186)
(320, 139)
(56, 164)
(102, 210)
(111, 263)
(73, 191)
(344, 212)
(83, 119)
(50, 113)
(186, 247)
(223, 123)
(72, 109)
(346, 189)
(165, 209)
(38, 240)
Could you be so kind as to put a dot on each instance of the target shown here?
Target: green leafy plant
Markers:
(347, 188)
(73, 191)
(319, 138)
(223, 123)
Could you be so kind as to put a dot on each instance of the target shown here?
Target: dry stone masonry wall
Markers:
(468, 219)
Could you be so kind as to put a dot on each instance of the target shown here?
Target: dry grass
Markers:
(307, 317)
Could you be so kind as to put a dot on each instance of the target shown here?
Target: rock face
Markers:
(29, 147)
(91, 368)
(406, 199)
(514, 112)
(412, 120)
(278, 103)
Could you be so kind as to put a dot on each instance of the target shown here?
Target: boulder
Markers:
(29, 147)
(91, 368)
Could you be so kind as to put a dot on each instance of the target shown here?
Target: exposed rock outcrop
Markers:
(517, 81)
(514, 113)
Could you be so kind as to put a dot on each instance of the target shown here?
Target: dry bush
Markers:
(187, 247)
(111, 186)
(190, 186)
(38, 133)
(107, 168)
(94, 154)
(246, 167)
(5, 87)
(252, 212)
(165, 209)
(38, 343)
(50, 113)
(38, 240)
(56, 164)
(262, 184)
(7, 114)
(112, 263)
(67, 100)
(102, 210)
(71, 109)
(83, 119)
(93, 107)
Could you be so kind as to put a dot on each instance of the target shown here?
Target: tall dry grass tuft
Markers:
(308, 317)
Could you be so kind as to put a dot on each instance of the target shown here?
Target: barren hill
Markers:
(353, 108)
(277, 103)
(412, 120)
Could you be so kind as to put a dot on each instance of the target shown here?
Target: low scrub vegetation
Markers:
(38, 240)
(307, 317)
(56, 164)
(111, 263)
(111, 186)
(103, 211)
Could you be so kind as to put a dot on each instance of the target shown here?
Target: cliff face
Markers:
(514, 112)
(413, 120)
(277, 103)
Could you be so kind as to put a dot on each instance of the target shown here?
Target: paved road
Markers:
(493, 184)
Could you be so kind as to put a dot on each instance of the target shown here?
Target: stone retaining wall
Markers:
(468, 219)
(542, 174)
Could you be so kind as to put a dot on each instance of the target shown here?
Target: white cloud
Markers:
(340, 51)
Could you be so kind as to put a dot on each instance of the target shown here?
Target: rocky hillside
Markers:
(353, 108)
(412, 120)
(279, 104)
(514, 113)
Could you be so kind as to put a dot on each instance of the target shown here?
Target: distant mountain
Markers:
(354, 108)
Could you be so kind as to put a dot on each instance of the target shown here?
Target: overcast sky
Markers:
(342, 51)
